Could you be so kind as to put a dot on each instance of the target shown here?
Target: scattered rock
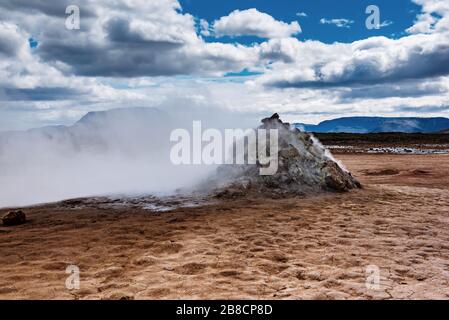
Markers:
(301, 275)
(315, 276)
(14, 218)
(168, 268)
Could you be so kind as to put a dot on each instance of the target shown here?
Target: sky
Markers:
(307, 60)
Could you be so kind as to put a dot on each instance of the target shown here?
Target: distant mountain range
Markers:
(119, 126)
(126, 129)
(378, 125)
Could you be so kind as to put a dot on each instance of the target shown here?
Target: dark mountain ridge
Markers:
(378, 125)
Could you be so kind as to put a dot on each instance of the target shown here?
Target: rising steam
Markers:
(122, 151)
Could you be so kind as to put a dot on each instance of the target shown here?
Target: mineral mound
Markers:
(304, 167)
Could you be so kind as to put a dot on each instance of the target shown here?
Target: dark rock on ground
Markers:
(14, 218)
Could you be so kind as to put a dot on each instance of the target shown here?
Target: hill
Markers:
(378, 125)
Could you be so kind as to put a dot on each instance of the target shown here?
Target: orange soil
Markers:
(313, 248)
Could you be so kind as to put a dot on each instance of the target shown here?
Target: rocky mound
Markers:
(304, 167)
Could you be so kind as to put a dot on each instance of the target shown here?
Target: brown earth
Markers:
(313, 248)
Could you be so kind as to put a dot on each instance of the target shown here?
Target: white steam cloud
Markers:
(121, 151)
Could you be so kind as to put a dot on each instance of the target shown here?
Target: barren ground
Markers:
(313, 248)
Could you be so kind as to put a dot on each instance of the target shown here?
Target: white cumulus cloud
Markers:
(252, 22)
(340, 23)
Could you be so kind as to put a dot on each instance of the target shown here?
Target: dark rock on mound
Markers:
(14, 218)
(337, 179)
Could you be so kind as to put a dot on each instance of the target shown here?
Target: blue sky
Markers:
(206, 54)
(401, 12)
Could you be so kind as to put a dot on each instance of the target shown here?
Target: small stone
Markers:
(168, 268)
(14, 218)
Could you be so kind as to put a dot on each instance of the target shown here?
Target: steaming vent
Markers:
(304, 167)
